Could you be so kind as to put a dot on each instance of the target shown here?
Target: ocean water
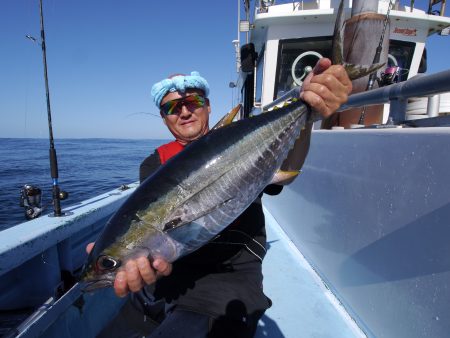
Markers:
(87, 167)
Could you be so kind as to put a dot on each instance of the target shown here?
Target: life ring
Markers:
(306, 70)
(393, 60)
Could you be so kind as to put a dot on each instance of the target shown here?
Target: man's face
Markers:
(188, 123)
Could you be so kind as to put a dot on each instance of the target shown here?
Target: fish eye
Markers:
(107, 263)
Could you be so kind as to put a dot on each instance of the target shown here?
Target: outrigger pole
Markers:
(56, 193)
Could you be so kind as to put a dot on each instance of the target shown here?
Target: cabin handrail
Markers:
(398, 93)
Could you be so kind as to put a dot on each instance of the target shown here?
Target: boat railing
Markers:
(262, 6)
(434, 7)
(398, 94)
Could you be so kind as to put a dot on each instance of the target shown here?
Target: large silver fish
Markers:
(203, 189)
(197, 193)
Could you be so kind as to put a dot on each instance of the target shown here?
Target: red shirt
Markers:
(166, 151)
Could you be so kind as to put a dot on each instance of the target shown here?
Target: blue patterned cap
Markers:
(178, 83)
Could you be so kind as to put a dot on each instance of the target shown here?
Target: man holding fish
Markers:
(215, 291)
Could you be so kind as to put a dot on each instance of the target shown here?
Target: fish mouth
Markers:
(93, 285)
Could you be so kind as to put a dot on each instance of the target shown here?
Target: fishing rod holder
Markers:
(57, 196)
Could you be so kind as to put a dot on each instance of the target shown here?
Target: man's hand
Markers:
(326, 88)
(137, 273)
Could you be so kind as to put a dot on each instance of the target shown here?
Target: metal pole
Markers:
(237, 46)
(52, 151)
(426, 85)
(376, 59)
(239, 22)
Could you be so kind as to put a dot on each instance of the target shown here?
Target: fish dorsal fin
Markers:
(228, 118)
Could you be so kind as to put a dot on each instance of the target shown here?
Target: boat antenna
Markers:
(376, 59)
(57, 195)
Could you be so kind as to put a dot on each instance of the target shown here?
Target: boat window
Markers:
(259, 77)
(400, 55)
(423, 62)
(295, 56)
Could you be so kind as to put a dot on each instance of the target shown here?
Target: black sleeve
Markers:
(149, 165)
(273, 189)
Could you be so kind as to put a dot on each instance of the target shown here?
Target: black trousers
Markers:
(163, 321)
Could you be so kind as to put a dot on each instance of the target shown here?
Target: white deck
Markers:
(302, 305)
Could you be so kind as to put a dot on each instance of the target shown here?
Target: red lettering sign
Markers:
(406, 31)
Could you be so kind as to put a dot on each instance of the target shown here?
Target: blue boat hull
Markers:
(371, 213)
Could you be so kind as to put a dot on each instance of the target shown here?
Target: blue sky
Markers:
(103, 57)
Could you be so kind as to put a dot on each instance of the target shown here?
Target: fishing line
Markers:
(145, 113)
(376, 59)
(26, 100)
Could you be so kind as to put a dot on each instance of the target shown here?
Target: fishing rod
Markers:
(57, 194)
(376, 59)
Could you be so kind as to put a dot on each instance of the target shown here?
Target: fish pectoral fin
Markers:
(178, 220)
(173, 223)
(357, 71)
(282, 176)
(228, 118)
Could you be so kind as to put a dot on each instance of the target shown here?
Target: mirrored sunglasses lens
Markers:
(191, 102)
(169, 107)
(194, 102)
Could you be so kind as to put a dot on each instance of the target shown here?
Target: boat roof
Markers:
(418, 23)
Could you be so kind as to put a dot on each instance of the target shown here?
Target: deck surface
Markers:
(302, 305)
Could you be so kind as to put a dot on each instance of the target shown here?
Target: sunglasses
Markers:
(191, 102)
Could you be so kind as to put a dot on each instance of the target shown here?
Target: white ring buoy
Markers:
(393, 59)
(306, 70)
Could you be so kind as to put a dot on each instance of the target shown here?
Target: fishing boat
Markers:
(357, 243)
